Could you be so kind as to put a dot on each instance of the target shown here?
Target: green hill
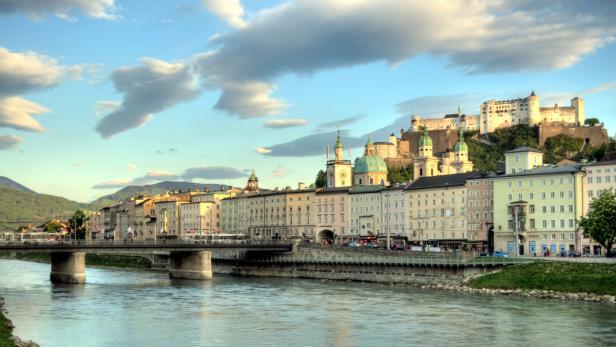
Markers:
(26, 207)
(487, 151)
(9, 183)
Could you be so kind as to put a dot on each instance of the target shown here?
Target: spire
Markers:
(532, 93)
(459, 110)
(425, 139)
(369, 141)
(460, 144)
(338, 142)
(253, 177)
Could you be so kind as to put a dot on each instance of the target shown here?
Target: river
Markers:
(132, 308)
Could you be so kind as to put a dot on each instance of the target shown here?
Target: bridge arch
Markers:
(326, 236)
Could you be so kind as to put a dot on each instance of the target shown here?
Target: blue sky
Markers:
(99, 94)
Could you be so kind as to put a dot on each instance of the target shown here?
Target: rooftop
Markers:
(546, 170)
(441, 181)
(600, 163)
(524, 149)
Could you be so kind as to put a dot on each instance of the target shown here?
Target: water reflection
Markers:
(131, 308)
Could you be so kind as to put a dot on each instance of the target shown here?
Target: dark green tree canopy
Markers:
(591, 121)
(600, 222)
(321, 180)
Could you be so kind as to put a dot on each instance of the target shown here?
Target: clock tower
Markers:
(339, 171)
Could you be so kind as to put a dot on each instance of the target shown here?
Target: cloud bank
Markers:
(230, 11)
(152, 87)
(284, 123)
(99, 9)
(9, 142)
(200, 172)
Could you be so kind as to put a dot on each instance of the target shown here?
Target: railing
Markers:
(363, 260)
(141, 243)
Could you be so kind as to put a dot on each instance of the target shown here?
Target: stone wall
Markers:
(442, 140)
(595, 136)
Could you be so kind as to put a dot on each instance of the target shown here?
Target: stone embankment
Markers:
(533, 293)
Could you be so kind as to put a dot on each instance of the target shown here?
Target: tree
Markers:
(591, 122)
(561, 147)
(599, 223)
(321, 180)
(77, 223)
(399, 174)
(54, 226)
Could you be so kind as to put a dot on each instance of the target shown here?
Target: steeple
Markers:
(532, 93)
(369, 147)
(338, 142)
(460, 144)
(253, 183)
(459, 110)
(338, 148)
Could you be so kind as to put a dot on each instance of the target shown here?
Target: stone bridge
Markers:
(187, 260)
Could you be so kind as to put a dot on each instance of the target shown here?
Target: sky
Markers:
(96, 95)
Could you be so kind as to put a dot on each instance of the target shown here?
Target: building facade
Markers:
(536, 209)
(437, 211)
(332, 215)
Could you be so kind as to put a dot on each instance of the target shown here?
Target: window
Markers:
(545, 224)
(543, 196)
(562, 223)
(532, 224)
(532, 195)
(553, 209)
(553, 223)
(531, 208)
(544, 209)
(509, 197)
(571, 223)
(571, 208)
(562, 208)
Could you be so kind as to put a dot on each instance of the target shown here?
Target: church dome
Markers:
(461, 144)
(425, 139)
(369, 163)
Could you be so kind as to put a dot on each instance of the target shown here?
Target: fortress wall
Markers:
(441, 140)
(596, 135)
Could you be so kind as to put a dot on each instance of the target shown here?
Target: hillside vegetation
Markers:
(16, 205)
(486, 152)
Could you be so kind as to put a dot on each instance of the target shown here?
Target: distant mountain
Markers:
(152, 189)
(28, 207)
(9, 183)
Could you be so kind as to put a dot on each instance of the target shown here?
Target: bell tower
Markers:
(339, 171)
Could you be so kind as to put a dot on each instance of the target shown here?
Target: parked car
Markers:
(500, 254)
(483, 253)
(398, 247)
(353, 244)
(372, 245)
(575, 254)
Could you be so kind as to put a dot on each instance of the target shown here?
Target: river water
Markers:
(130, 308)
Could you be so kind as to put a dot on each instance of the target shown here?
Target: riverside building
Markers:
(536, 207)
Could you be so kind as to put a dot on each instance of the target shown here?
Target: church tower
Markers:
(461, 162)
(425, 164)
(253, 183)
(339, 171)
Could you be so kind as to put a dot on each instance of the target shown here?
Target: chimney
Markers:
(301, 186)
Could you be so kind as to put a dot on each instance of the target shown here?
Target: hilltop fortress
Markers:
(493, 115)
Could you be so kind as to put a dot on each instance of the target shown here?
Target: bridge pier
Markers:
(68, 267)
(190, 265)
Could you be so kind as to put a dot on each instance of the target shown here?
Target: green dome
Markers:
(425, 139)
(369, 163)
(461, 144)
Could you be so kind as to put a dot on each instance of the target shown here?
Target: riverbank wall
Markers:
(340, 264)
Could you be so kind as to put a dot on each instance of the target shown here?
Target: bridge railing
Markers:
(363, 259)
(144, 243)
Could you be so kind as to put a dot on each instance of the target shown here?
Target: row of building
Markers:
(531, 208)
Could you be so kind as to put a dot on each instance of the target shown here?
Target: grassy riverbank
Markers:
(107, 260)
(6, 330)
(567, 277)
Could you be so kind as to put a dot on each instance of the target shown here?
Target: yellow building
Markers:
(437, 216)
(536, 208)
(331, 207)
(365, 211)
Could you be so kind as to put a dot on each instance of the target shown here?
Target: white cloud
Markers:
(307, 36)
(280, 171)
(23, 72)
(262, 150)
(284, 123)
(100, 9)
(150, 88)
(231, 11)
(212, 173)
(17, 113)
(106, 106)
(131, 167)
(9, 142)
(113, 184)
(249, 99)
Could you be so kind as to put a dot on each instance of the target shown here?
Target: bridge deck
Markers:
(144, 247)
